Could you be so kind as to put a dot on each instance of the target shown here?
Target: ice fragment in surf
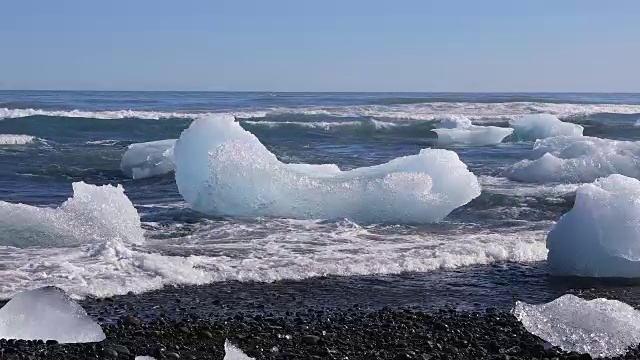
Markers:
(148, 159)
(577, 159)
(11, 139)
(93, 214)
(541, 126)
(144, 358)
(233, 353)
(47, 314)
(222, 169)
(600, 235)
(460, 131)
(599, 327)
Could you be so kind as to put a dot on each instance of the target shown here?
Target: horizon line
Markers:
(326, 92)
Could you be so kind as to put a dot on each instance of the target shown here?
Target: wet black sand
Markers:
(461, 314)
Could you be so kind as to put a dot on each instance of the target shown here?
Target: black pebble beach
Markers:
(322, 318)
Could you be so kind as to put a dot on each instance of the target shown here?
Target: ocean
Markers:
(492, 246)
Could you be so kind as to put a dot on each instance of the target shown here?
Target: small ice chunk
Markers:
(460, 131)
(144, 358)
(11, 139)
(599, 327)
(541, 126)
(148, 159)
(222, 169)
(600, 235)
(233, 353)
(47, 314)
(577, 160)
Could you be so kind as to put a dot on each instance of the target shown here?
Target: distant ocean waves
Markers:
(414, 111)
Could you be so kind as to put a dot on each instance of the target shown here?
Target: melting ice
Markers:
(599, 327)
(452, 131)
(47, 314)
(222, 169)
(541, 126)
(600, 236)
(148, 159)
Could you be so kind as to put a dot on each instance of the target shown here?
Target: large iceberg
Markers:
(600, 236)
(460, 131)
(148, 159)
(599, 327)
(577, 159)
(47, 314)
(222, 169)
(93, 214)
(541, 126)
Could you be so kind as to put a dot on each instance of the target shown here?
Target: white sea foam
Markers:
(475, 111)
(143, 160)
(324, 125)
(600, 235)
(260, 250)
(103, 227)
(600, 327)
(223, 169)
(502, 185)
(107, 142)
(577, 159)
(422, 111)
(12, 139)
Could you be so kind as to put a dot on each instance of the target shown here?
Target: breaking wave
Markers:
(411, 111)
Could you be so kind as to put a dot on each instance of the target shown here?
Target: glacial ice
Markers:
(222, 169)
(600, 235)
(541, 126)
(577, 159)
(93, 214)
(12, 139)
(148, 159)
(452, 131)
(233, 353)
(47, 314)
(600, 327)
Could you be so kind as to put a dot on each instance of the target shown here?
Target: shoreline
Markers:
(312, 334)
(407, 316)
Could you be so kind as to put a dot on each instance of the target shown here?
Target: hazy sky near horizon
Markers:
(328, 45)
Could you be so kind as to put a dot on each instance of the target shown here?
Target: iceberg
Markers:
(460, 131)
(577, 160)
(47, 314)
(600, 235)
(541, 126)
(600, 327)
(233, 353)
(222, 169)
(143, 160)
(93, 214)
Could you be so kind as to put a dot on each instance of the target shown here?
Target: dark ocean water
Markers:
(81, 136)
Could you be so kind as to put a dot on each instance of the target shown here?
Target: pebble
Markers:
(310, 339)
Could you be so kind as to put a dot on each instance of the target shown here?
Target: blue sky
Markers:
(328, 45)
